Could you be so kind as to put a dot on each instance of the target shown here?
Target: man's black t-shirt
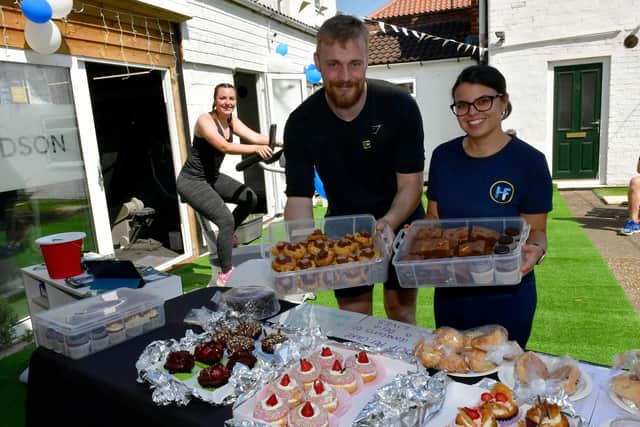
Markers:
(357, 161)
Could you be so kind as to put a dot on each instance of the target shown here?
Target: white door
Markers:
(284, 93)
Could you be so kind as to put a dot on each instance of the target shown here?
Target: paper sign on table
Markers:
(389, 335)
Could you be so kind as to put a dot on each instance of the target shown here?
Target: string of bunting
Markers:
(408, 32)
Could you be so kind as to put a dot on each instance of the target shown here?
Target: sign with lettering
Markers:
(383, 333)
(39, 145)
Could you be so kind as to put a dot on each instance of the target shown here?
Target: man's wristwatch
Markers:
(544, 252)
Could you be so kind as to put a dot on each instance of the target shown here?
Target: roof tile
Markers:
(414, 7)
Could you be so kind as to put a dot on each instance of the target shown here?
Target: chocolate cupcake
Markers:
(249, 329)
(239, 343)
(245, 357)
(214, 376)
(179, 361)
(270, 341)
(209, 352)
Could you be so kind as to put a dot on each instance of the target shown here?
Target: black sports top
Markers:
(204, 159)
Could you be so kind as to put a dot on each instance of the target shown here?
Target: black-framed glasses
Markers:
(483, 103)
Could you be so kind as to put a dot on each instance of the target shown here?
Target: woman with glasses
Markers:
(200, 182)
(489, 173)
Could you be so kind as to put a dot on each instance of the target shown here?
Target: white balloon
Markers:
(60, 8)
(43, 38)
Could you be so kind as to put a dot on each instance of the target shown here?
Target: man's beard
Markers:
(345, 100)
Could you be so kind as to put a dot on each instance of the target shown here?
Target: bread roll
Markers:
(428, 354)
(569, 375)
(627, 386)
(477, 360)
(449, 338)
(529, 367)
(490, 340)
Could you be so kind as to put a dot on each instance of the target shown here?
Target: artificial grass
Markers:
(611, 191)
(13, 392)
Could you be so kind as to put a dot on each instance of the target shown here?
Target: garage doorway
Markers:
(138, 175)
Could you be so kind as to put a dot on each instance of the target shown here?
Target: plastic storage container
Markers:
(93, 324)
(332, 276)
(443, 242)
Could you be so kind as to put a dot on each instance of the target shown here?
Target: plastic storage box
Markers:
(93, 324)
(332, 276)
(443, 242)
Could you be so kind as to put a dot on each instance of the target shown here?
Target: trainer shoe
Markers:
(630, 227)
(223, 277)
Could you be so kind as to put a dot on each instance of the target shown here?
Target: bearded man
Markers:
(365, 139)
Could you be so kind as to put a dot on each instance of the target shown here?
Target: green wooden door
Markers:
(576, 123)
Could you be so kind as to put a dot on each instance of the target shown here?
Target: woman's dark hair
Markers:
(215, 91)
(485, 75)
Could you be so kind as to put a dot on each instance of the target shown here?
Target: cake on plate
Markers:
(345, 378)
(271, 410)
(326, 356)
(324, 395)
(308, 414)
(288, 389)
(364, 366)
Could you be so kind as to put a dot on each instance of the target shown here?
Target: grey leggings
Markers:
(209, 198)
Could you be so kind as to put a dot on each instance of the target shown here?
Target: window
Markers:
(42, 179)
(408, 84)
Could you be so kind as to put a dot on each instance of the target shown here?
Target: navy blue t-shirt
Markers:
(513, 181)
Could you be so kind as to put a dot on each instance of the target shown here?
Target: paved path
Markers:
(602, 223)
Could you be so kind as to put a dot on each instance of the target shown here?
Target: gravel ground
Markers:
(602, 223)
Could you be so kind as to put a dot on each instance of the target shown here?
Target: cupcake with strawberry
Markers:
(345, 378)
(364, 366)
(288, 389)
(500, 402)
(308, 414)
(271, 410)
(475, 417)
(324, 395)
(326, 356)
(306, 373)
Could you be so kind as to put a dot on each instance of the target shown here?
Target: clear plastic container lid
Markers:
(259, 302)
(88, 314)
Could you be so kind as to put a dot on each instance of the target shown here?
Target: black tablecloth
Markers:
(101, 389)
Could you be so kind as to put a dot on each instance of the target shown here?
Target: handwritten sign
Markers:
(383, 333)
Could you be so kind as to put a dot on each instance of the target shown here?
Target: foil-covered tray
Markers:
(179, 389)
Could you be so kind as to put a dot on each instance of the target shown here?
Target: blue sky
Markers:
(359, 8)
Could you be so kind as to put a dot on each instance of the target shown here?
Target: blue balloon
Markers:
(282, 49)
(319, 185)
(313, 76)
(38, 11)
(311, 67)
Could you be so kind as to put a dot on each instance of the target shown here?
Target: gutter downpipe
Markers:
(482, 31)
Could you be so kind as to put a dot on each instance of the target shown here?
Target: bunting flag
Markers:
(408, 32)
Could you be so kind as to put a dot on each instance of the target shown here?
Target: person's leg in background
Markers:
(203, 198)
(239, 194)
(633, 223)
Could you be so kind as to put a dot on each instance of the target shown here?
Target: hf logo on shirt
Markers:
(367, 144)
(502, 192)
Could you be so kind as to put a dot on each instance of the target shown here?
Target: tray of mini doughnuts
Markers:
(326, 253)
(460, 252)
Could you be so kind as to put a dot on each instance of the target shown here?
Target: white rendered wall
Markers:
(227, 35)
(433, 82)
(541, 35)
